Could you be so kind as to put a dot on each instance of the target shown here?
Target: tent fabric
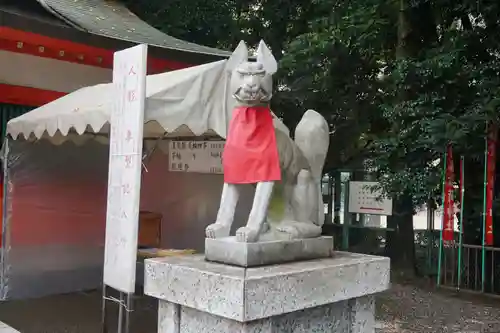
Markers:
(56, 213)
(55, 206)
(187, 102)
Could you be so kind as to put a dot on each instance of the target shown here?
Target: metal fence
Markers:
(373, 241)
(463, 266)
(477, 270)
(458, 271)
(360, 239)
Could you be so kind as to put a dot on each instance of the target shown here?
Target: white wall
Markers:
(49, 74)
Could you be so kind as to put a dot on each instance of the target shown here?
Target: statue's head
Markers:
(251, 81)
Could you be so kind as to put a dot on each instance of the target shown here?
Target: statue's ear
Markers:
(239, 56)
(266, 58)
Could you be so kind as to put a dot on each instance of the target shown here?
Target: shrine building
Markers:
(49, 48)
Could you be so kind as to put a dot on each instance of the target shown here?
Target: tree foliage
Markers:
(398, 80)
(212, 23)
(333, 67)
(451, 89)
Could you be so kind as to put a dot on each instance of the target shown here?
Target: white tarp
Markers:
(188, 102)
(56, 213)
(55, 202)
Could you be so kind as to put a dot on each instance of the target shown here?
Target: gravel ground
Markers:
(409, 309)
(402, 309)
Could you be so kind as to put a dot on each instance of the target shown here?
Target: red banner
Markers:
(461, 188)
(490, 181)
(448, 209)
(461, 183)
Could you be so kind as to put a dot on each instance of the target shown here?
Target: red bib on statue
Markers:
(250, 154)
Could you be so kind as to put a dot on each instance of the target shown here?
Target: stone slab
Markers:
(246, 294)
(229, 251)
(4, 328)
(352, 316)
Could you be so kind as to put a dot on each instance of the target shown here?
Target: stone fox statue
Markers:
(257, 153)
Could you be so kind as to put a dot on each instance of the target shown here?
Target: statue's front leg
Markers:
(225, 215)
(250, 233)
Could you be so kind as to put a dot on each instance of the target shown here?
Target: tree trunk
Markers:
(473, 201)
(401, 242)
(404, 48)
(391, 237)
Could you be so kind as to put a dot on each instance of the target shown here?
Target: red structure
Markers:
(51, 47)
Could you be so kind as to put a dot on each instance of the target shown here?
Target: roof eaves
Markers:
(113, 20)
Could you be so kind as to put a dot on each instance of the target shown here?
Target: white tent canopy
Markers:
(55, 208)
(187, 102)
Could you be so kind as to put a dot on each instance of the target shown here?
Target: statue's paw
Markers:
(247, 235)
(299, 230)
(217, 230)
(288, 229)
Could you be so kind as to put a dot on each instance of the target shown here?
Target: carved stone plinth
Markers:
(229, 251)
(324, 295)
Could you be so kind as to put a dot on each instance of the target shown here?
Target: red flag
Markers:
(461, 189)
(448, 207)
(490, 181)
(460, 183)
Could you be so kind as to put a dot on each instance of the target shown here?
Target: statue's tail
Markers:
(312, 137)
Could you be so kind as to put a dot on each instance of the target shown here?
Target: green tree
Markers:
(397, 80)
(450, 84)
(223, 24)
(333, 67)
(215, 23)
(405, 78)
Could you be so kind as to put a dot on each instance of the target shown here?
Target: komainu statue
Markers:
(257, 153)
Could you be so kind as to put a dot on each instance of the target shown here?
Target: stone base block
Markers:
(229, 251)
(350, 316)
(4, 328)
(324, 295)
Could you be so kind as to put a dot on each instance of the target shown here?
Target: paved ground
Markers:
(403, 309)
(408, 309)
(72, 313)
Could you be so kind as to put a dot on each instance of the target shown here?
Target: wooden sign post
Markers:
(124, 178)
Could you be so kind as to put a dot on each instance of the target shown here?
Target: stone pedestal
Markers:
(229, 251)
(324, 295)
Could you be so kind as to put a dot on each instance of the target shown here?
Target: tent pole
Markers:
(128, 309)
(104, 319)
(5, 202)
(121, 305)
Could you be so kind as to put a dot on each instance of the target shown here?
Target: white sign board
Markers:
(196, 156)
(125, 161)
(364, 200)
